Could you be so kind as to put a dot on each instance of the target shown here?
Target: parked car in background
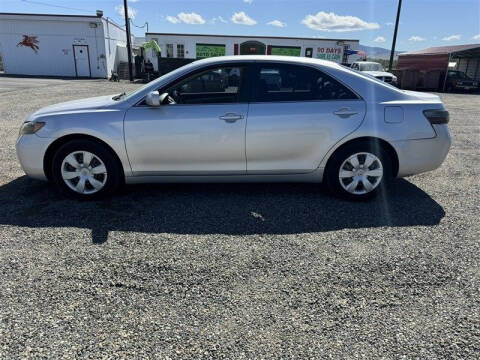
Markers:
(458, 80)
(376, 70)
(238, 119)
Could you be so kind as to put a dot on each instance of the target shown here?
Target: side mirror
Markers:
(153, 98)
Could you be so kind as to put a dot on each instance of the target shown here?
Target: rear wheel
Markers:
(359, 171)
(85, 169)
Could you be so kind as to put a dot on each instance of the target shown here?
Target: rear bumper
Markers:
(30, 152)
(417, 156)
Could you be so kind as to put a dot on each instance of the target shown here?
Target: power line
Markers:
(53, 5)
(140, 27)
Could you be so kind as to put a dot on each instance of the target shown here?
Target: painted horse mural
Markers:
(29, 41)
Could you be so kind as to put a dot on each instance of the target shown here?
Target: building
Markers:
(61, 45)
(198, 46)
(427, 68)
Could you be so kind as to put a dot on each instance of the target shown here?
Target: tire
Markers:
(342, 184)
(89, 163)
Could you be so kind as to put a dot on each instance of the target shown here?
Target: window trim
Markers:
(259, 64)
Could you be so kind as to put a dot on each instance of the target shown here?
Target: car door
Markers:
(202, 133)
(297, 113)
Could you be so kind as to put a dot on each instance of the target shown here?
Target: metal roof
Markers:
(249, 36)
(444, 50)
(90, 17)
(61, 15)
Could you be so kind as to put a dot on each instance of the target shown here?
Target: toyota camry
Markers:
(236, 119)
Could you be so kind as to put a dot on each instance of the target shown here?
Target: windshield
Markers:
(158, 80)
(371, 67)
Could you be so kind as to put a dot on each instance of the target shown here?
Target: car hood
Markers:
(77, 105)
(378, 73)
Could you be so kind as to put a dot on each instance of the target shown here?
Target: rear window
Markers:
(284, 82)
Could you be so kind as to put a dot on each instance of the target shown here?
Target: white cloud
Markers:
(379, 39)
(134, 1)
(452, 38)
(249, 2)
(332, 22)
(191, 18)
(172, 19)
(416, 38)
(219, 18)
(389, 24)
(242, 19)
(121, 11)
(277, 23)
(476, 37)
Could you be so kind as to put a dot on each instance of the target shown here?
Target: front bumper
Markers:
(31, 152)
(417, 156)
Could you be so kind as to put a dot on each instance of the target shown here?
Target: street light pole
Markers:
(129, 45)
(392, 53)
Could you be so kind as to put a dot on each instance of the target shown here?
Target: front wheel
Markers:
(85, 169)
(359, 171)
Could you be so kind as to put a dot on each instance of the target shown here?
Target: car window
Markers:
(213, 86)
(281, 82)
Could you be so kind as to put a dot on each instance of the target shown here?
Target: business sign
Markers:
(208, 50)
(285, 50)
(330, 53)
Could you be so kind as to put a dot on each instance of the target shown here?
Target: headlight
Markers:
(31, 127)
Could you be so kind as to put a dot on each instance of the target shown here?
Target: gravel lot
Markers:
(240, 271)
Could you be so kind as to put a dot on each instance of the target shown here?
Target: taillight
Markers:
(437, 116)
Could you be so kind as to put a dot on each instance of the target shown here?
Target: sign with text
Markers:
(285, 50)
(330, 53)
(209, 50)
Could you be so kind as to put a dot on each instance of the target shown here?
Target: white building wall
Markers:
(56, 36)
(190, 42)
(115, 45)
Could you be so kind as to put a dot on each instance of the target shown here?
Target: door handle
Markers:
(345, 112)
(231, 117)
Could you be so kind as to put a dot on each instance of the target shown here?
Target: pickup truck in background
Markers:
(376, 70)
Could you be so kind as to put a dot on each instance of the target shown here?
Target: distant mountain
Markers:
(377, 52)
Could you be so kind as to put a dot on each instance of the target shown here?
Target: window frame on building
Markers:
(181, 54)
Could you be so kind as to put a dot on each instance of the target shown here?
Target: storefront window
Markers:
(210, 50)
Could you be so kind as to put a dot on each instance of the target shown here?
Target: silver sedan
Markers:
(236, 119)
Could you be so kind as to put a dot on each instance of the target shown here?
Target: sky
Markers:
(423, 23)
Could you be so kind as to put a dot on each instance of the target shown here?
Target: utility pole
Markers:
(129, 45)
(392, 53)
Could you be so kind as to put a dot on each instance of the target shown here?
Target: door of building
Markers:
(252, 48)
(82, 60)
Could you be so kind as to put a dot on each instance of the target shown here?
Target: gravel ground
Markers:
(240, 271)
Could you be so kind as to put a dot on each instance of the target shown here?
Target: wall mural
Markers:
(29, 41)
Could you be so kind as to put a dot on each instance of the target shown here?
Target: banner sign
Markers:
(286, 50)
(330, 53)
(208, 50)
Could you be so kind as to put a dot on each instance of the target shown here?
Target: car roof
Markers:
(270, 58)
